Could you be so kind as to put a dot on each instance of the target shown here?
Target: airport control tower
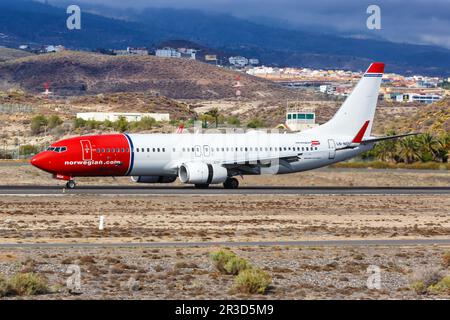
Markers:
(300, 118)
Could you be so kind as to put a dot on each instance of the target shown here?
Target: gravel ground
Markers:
(169, 273)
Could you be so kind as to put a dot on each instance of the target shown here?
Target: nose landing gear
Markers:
(70, 184)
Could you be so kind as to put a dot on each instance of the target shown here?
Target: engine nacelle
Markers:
(153, 179)
(202, 173)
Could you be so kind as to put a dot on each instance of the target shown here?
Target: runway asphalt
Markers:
(272, 190)
(312, 243)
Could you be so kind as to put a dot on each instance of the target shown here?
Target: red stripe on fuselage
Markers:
(109, 155)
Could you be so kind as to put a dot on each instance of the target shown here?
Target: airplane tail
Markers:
(358, 110)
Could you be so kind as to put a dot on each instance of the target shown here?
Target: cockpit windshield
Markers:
(57, 149)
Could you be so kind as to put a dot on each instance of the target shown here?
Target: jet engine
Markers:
(153, 179)
(202, 173)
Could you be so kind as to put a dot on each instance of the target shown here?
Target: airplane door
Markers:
(331, 148)
(198, 151)
(206, 150)
(86, 150)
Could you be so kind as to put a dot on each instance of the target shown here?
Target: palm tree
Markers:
(443, 147)
(214, 112)
(428, 146)
(408, 149)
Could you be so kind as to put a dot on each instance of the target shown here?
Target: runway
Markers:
(307, 243)
(246, 190)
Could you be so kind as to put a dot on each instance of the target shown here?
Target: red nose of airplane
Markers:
(42, 161)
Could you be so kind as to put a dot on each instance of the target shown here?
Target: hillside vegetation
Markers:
(10, 54)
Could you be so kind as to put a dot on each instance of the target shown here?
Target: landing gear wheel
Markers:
(70, 184)
(201, 185)
(231, 183)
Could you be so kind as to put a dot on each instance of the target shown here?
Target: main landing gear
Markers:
(70, 184)
(231, 183)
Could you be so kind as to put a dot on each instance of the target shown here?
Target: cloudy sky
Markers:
(414, 21)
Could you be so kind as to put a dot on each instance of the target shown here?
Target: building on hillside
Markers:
(412, 97)
(238, 61)
(129, 116)
(176, 53)
(53, 48)
(253, 61)
(130, 51)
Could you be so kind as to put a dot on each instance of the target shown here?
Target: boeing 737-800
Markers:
(214, 158)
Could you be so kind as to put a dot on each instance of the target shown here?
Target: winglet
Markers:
(359, 136)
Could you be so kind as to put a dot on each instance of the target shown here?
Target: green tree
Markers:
(443, 147)
(121, 125)
(427, 147)
(38, 123)
(214, 113)
(408, 149)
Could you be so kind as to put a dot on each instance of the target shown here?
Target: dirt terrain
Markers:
(75, 218)
(169, 273)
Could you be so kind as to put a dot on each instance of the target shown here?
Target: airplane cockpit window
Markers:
(57, 149)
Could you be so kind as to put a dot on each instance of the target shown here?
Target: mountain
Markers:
(22, 21)
(82, 73)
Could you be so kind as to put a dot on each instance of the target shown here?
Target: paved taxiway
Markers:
(305, 243)
(273, 190)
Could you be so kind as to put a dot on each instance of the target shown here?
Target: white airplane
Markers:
(214, 158)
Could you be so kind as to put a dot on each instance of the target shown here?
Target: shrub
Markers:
(252, 281)
(442, 287)
(236, 265)
(54, 121)
(5, 287)
(422, 279)
(220, 259)
(28, 149)
(38, 123)
(256, 123)
(446, 259)
(28, 284)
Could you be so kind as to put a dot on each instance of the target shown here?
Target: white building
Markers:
(260, 71)
(415, 97)
(238, 61)
(176, 53)
(130, 51)
(253, 61)
(114, 116)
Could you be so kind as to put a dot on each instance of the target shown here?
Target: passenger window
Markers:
(98, 150)
(123, 150)
(107, 149)
(158, 149)
(163, 149)
(128, 150)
